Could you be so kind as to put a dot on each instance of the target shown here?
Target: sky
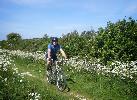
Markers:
(34, 18)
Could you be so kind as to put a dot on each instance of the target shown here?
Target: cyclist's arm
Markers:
(49, 51)
(63, 53)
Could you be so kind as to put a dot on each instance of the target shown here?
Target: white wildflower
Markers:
(21, 81)
(5, 79)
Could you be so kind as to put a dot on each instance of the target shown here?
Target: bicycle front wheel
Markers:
(61, 83)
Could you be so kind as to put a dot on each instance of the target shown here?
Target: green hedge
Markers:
(117, 41)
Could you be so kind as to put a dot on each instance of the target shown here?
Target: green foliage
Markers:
(4, 44)
(118, 41)
(14, 40)
(78, 45)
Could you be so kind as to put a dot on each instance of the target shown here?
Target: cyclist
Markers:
(53, 48)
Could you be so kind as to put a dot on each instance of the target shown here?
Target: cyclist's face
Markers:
(55, 42)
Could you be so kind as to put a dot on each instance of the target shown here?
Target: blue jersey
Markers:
(54, 49)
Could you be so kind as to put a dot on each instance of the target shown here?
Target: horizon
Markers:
(35, 18)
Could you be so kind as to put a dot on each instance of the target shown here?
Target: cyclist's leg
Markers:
(54, 59)
(48, 65)
(48, 62)
(48, 69)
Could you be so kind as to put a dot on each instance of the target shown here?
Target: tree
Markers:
(118, 41)
(14, 40)
(3, 44)
(88, 34)
(45, 36)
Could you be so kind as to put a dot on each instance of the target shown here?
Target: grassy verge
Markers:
(90, 85)
(101, 87)
(37, 82)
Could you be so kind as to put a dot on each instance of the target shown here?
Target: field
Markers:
(23, 78)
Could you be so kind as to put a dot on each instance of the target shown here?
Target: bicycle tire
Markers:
(61, 84)
(50, 77)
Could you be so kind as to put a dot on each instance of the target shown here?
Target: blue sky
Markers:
(34, 18)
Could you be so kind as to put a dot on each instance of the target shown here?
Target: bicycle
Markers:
(56, 75)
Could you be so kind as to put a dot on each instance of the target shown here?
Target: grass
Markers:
(38, 81)
(101, 87)
(83, 83)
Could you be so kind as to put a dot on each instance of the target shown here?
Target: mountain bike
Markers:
(56, 75)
